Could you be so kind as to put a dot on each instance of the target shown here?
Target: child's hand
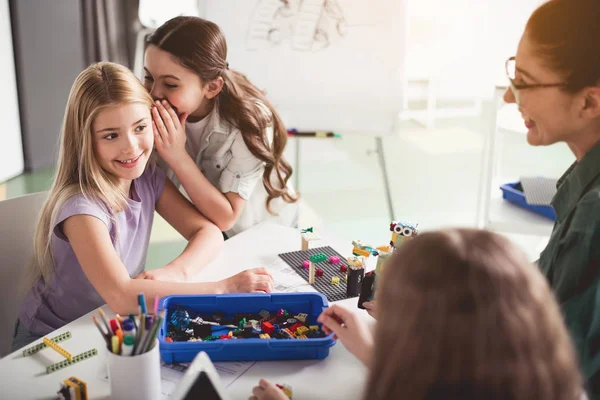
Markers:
(251, 280)
(169, 132)
(165, 274)
(350, 329)
(267, 391)
(371, 307)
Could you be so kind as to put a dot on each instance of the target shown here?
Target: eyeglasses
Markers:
(511, 70)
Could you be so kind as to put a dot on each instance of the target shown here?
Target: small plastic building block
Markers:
(308, 235)
(65, 363)
(356, 261)
(301, 317)
(264, 313)
(334, 260)
(311, 273)
(169, 339)
(301, 330)
(267, 327)
(306, 264)
(280, 312)
(287, 390)
(320, 272)
(335, 280)
(287, 333)
(73, 388)
(58, 349)
(301, 337)
(294, 327)
(343, 268)
(314, 328)
(34, 349)
(317, 258)
(264, 336)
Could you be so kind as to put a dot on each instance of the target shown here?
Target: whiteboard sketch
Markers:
(306, 25)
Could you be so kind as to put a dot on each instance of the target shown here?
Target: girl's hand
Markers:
(350, 329)
(267, 391)
(169, 132)
(249, 281)
(371, 307)
(168, 273)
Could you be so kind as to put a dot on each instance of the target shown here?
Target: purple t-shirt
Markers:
(69, 294)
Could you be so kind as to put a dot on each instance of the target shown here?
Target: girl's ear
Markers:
(213, 88)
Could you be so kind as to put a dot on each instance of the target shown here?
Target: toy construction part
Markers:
(73, 388)
(66, 363)
(58, 349)
(35, 349)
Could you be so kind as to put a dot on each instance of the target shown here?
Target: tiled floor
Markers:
(434, 176)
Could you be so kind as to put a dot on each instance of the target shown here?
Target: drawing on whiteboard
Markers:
(307, 25)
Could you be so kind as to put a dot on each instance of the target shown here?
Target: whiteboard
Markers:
(332, 65)
(11, 150)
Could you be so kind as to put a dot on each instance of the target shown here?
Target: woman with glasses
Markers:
(555, 81)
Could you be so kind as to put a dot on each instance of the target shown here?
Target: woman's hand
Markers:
(249, 281)
(169, 132)
(267, 391)
(353, 332)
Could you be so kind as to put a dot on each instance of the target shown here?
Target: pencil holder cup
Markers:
(135, 377)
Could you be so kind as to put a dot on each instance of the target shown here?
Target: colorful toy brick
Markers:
(343, 268)
(335, 280)
(58, 349)
(306, 264)
(301, 317)
(314, 328)
(294, 327)
(73, 388)
(301, 330)
(267, 327)
(317, 258)
(65, 363)
(308, 235)
(334, 260)
(320, 272)
(264, 336)
(34, 349)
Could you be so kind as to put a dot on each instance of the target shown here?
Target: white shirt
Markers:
(220, 152)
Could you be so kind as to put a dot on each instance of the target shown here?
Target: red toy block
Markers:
(343, 268)
(319, 272)
(268, 328)
(295, 326)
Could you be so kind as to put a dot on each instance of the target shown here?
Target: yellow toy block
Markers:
(58, 349)
(79, 388)
(314, 328)
(301, 337)
(335, 280)
(264, 336)
(301, 330)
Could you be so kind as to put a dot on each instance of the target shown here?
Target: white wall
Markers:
(11, 150)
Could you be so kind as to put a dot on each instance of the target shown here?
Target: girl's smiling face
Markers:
(166, 79)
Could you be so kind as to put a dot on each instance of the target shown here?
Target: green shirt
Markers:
(571, 261)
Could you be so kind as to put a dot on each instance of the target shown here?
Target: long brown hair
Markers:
(566, 34)
(465, 316)
(200, 46)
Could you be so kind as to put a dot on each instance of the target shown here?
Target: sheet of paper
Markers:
(286, 279)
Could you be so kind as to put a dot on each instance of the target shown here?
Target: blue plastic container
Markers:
(312, 304)
(511, 194)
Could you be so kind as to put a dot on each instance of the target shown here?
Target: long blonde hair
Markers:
(464, 315)
(99, 86)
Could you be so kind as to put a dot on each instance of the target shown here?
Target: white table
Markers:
(339, 376)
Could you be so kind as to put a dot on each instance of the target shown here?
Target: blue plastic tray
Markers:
(509, 193)
(247, 349)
